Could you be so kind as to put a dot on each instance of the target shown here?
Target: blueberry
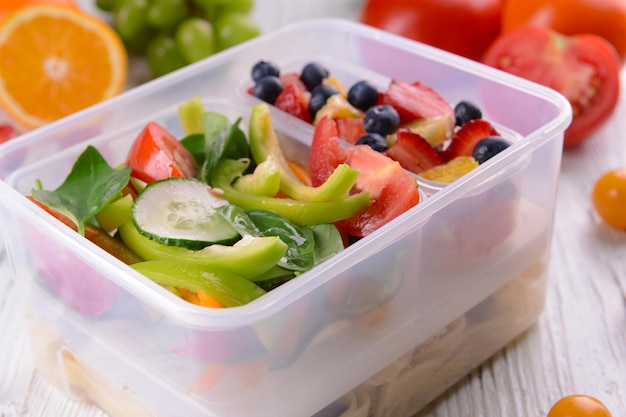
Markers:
(268, 88)
(465, 111)
(263, 68)
(319, 96)
(375, 141)
(363, 95)
(489, 147)
(382, 119)
(313, 74)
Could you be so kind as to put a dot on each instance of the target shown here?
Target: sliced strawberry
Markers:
(350, 128)
(294, 101)
(413, 152)
(466, 137)
(416, 101)
(290, 78)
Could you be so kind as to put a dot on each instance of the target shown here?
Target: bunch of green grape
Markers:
(173, 33)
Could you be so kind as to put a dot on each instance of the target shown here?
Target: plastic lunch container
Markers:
(379, 330)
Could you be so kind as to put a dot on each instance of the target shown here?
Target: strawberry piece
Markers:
(290, 78)
(416, 101)
(294, 101)
(350, 129)
(413, 152)
(467, 137)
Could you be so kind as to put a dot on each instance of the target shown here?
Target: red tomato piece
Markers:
(413, 152)
(350, 128)
(606, 18)
(326, 151)
(156, 154)
(295, 101)
(584, 68)
(392, 190)
(464, 27)
(6, 132)
(416, 101)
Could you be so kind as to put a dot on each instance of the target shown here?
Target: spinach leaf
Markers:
(196, 144)
(300, 240)
(220, 140)
(89, 187)
(328, 241)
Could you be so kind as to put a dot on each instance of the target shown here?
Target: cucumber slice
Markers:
(181, 212)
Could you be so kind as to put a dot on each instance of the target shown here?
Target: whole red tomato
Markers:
(465, 27)
(605, 18)
(584, 68)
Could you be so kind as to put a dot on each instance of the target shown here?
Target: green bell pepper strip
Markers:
(264, 143)
(191, 114)
(300, 212)
(265, 180)
(248, 258)
(229, 289)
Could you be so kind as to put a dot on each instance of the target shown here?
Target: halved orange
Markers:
(8, 6)
(55, 61)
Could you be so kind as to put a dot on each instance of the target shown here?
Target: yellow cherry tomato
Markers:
(579, 405)
(609, 197)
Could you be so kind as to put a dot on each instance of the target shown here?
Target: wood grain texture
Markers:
(577, 346)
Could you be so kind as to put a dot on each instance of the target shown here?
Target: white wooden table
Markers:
(577, 346)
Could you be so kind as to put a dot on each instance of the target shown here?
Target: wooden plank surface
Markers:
(577, 346)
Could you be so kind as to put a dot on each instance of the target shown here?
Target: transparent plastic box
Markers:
(381, 329)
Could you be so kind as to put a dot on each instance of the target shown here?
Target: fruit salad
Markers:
(408, 122)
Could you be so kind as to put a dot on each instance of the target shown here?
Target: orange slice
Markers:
(55, 61)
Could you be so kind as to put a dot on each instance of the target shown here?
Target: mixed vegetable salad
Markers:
(218, 218)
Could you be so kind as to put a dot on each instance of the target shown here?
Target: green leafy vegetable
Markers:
(300, 240)
(220, 139)
(328, 241)
(89, 187)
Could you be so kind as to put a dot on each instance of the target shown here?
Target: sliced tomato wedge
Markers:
(156, 154)
(6, 132)
(584, 68)
(392, 190)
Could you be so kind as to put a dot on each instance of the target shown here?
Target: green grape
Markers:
(138, 44)
(240, 6)
(234, 28)
(129, 18)
(106, 5)
(164, 14)
(195, 39)
(163, 56)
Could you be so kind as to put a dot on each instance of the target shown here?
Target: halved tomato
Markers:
(392, 190)
(156, 154)
(584, 68)
(606, 18)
